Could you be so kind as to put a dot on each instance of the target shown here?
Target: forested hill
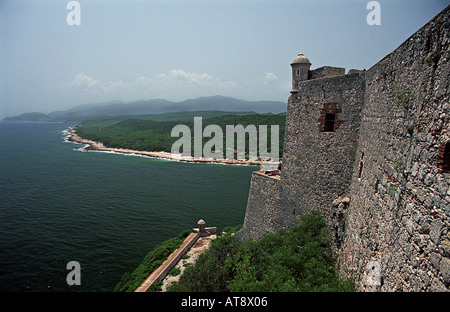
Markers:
(153, 132)
(155, 106)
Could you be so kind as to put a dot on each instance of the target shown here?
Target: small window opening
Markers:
(298, 72)
(361, 165)
(447, 155)
(329, 123)
(329, 117)
(444, 157)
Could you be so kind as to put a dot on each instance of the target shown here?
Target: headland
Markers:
(98, 146)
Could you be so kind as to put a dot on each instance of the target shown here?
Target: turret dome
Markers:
(301, 59)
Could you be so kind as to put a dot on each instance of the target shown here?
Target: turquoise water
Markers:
(106, 211)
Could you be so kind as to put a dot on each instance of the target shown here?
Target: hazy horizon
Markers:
(176, 50)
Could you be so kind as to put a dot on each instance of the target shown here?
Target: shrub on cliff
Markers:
(132, 280)
(298, 259)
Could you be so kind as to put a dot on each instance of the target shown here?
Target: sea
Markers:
(60, 203)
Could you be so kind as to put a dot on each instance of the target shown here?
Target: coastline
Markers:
(98, 146)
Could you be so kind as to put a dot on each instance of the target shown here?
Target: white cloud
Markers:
(271, 76)
(186, 84)
(84, 80)
(94, 85)
(190, 77)
(268, 78)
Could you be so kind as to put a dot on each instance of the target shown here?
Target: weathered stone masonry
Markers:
(261, 206)
(399, 212)
(370, 151)
(318, 164)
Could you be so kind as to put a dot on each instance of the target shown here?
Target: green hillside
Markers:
(300, 259)
(153, 132)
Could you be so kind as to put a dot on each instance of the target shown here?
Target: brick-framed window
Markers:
(329, 117)
(443, 162)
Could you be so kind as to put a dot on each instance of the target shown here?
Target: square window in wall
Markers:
(329, 117)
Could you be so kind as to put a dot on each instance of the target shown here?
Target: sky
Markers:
(129, 50)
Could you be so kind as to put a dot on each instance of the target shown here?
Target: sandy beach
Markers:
(98, 146)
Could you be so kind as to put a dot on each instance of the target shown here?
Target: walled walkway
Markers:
(171, 261)
(273, 176)
(191, 256)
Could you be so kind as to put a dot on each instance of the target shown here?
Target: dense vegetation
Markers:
(299, 259)
(132, 280)
(154, 132)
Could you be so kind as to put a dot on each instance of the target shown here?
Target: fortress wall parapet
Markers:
(326, 71)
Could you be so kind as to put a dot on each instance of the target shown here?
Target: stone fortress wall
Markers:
(318, 162)
(370, 151)
(399, 214)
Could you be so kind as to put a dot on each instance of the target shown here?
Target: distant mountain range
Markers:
(156, 106)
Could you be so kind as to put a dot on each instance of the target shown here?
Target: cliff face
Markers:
(370, 151)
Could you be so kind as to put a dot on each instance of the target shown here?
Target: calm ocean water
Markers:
(106, 211)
